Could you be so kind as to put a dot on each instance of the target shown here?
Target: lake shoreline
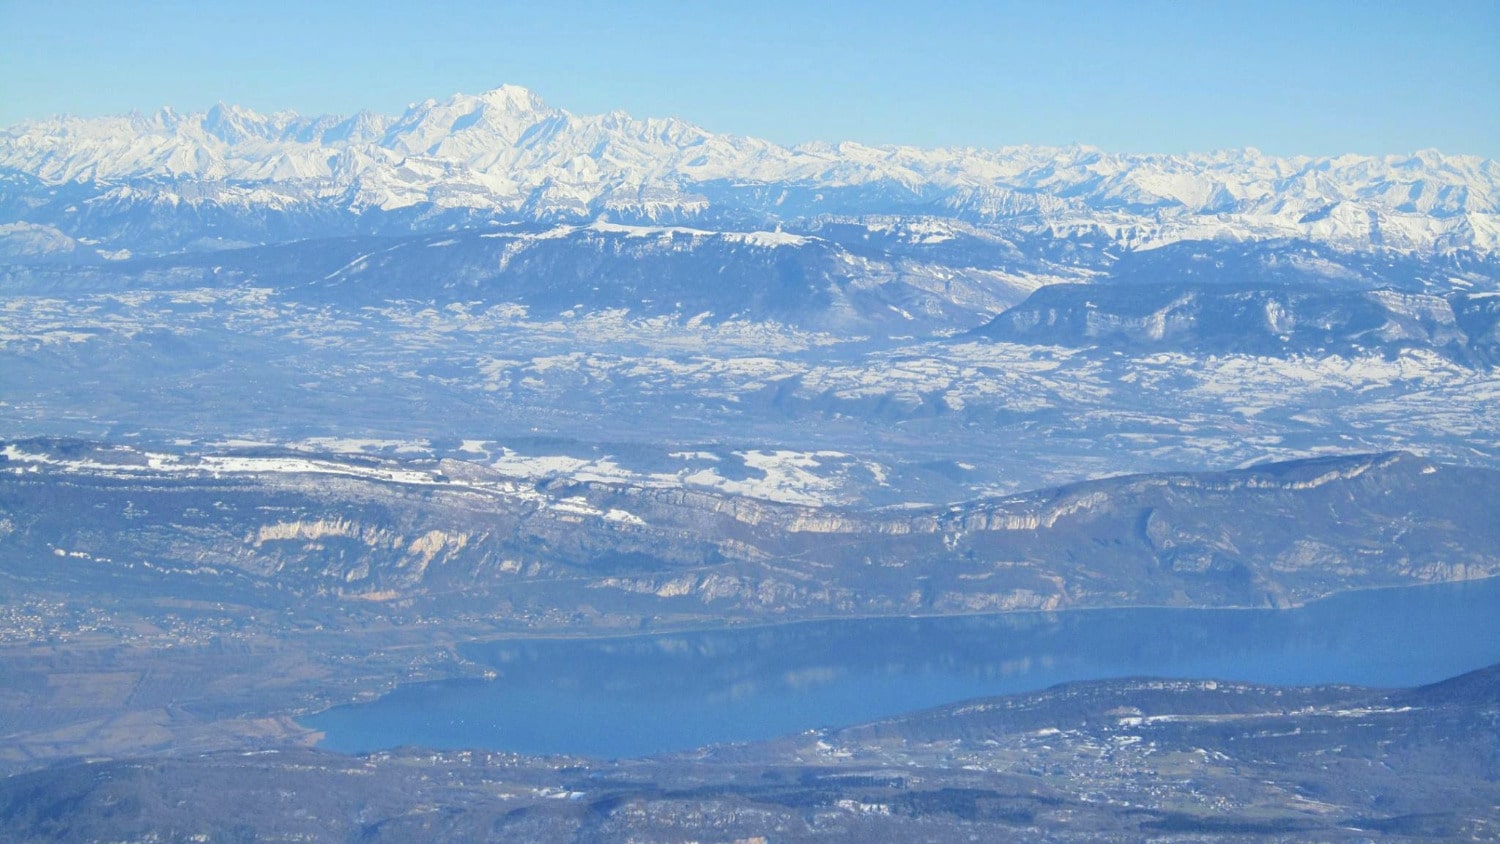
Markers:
(767, 680)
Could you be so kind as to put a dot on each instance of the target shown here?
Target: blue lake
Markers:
(650, 694)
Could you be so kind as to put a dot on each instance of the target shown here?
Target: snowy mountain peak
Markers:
(513, 98)
(235, 124)
(491, 120)
(505, 155)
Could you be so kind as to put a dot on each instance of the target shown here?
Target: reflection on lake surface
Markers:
(649, 694)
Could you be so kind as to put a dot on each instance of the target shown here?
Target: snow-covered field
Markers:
(750, 408)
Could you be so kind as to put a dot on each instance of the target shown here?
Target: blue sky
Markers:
(1317, 77)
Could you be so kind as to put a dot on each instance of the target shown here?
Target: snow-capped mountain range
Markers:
(170, 181)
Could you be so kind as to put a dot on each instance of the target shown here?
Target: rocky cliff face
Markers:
(458, 535)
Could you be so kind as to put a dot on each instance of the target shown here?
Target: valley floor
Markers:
(1109, 761)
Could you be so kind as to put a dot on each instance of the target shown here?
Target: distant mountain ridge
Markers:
(231, 176)
(1258, 320)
